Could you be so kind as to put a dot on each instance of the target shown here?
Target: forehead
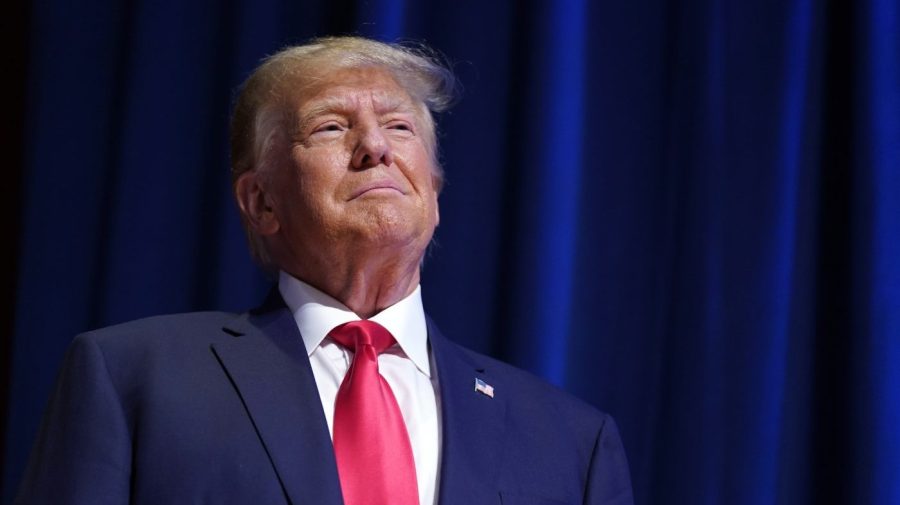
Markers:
(348, 87)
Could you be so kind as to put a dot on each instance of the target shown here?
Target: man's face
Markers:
(353, 168)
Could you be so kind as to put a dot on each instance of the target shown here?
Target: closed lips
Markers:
(380, 185)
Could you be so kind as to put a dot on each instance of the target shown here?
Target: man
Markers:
(338, 387)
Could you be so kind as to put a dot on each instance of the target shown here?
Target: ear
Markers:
(437, 211)
(436, 191)
(255, 204)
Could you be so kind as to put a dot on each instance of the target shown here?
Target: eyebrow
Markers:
(384, 104)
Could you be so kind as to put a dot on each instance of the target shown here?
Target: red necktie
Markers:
(371, 445)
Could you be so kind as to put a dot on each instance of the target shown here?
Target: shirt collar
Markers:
(317, 313)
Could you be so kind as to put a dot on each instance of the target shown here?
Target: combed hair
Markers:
(257, 116)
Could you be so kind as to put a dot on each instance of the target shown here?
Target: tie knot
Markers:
(356, 334)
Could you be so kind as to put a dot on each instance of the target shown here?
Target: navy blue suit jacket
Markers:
(223, 409)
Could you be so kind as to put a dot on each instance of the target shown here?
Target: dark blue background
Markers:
(685, 212)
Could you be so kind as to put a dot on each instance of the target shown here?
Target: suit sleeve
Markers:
(609, 482)
(82, 453)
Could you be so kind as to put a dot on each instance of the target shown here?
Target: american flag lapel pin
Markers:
(484, 388)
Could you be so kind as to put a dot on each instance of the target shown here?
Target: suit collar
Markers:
(473, 425)
(317, 313)
(270, 370)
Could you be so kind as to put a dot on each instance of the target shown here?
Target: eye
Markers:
(400, 126)
(330, 126)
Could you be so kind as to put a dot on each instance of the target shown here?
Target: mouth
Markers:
(377, 188)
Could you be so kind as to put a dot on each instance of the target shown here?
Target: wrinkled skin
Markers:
(346, 199)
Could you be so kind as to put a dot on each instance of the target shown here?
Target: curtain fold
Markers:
(548, 173)
(877, 293)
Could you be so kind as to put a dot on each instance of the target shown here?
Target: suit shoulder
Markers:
(531, 391)
(156, 330)
(153, 353)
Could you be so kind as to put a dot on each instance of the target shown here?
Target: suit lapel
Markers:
(269, 367)
(473, 426)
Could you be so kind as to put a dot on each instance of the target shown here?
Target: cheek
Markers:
(417, 163)
(319, 171)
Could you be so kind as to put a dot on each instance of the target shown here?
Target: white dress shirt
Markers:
(407, 367)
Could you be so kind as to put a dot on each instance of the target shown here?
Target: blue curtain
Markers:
(685, 212)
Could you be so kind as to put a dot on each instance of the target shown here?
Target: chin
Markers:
(393, 228)
(387, 220)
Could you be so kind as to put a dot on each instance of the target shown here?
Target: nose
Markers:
(372, 148)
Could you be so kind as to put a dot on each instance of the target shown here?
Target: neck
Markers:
(366, 287)
(368, 293)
